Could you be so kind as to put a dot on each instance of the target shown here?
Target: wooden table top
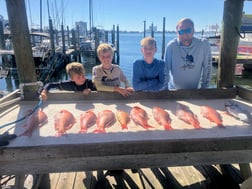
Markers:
(233, 126)
(134, 147)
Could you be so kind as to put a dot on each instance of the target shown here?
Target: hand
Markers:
(86, 91)
(5, 138)
(123, 91)
(130, 89)
(43, 95)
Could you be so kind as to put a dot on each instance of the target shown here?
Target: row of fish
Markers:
(64, 120)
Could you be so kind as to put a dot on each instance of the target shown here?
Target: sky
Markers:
(129, 15)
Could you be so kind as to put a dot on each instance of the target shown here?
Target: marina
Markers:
(146, 155)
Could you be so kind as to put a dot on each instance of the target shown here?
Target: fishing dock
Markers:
(211, 157)
(154, 153)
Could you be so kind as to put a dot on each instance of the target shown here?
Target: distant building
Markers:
(150, 28)
(5, 22)
(82, 28)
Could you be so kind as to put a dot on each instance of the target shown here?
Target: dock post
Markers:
(68, 37)
(232, 16)
(2, 40)
(22, 46)
(163, 40)
(113, 35)
(63, 39)
(152, 30)
(145, 28)
(117, 46)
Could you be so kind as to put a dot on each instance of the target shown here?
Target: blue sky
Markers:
(129, 14)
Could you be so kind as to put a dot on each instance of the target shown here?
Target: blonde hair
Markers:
(148, 41)
(75, 68)
(104, 47)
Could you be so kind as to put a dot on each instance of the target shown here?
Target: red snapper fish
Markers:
(36, 120)
(87, 119)
(162, 117)
(106, 118)
(184, 113)
(123, 118)
(211, 114)
(63, 121)
(140, 117)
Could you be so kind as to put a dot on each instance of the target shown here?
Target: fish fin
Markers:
(58, 134)
(70, 126)
(197, 126)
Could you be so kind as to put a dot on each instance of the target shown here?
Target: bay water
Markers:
(129, 50)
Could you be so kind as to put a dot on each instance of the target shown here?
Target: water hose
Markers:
(22, 118)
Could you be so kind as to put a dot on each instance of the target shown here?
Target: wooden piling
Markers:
(152, 30)
(21, 40)
(117, 46)
(2, 40)
(113, 35)
(163, 39)
(229, 42)
(145, 28)
(51, 36)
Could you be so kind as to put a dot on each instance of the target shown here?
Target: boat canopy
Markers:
(246, 29)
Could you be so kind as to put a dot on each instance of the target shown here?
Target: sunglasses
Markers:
(186, 31)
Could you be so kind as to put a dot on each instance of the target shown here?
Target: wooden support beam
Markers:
(229, 42)
(21, 40)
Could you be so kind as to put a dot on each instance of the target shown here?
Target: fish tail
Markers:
(99, 131)
(83, 130)
(220, 125)
(124, 126)
(168, 127)
(196, 125)
(58, 134)
(147, 126)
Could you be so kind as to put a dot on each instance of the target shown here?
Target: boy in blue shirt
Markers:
(148, 73)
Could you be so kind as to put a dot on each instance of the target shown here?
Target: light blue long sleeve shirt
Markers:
(188, 72)
(148, 77)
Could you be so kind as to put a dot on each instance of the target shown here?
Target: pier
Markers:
(137, 158)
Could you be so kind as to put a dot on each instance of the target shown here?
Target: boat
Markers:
(3, 72)
(47, 63)
(244, 50)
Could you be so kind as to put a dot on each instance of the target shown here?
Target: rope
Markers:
(30, 113)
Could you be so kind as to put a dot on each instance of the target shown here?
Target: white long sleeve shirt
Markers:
(107, 79)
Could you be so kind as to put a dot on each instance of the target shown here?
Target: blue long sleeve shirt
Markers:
(148, 77)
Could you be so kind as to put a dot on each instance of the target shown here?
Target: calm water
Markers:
(129, 50)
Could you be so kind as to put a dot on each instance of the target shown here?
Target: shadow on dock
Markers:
(187, 177)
